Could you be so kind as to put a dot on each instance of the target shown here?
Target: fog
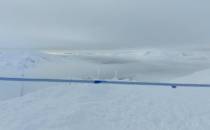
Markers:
(104, 24)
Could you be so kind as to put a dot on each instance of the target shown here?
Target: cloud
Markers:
(104, 24)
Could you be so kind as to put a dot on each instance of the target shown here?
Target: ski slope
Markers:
(110, 107)
(139, 65)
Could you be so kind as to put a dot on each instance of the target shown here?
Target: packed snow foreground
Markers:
(111, 107)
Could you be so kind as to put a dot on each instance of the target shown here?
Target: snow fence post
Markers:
(22, 89)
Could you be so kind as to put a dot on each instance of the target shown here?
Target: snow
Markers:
(196, 77)
(101, 107)
(140, 65)
(109, 107)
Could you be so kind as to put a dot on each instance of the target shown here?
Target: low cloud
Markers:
(104, 24)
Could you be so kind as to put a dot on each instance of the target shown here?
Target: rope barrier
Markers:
(173, 85)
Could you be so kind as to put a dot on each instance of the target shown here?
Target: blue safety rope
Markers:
(173, 85)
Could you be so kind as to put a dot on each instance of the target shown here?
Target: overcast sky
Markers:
(104, 24)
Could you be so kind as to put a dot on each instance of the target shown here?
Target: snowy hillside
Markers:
(109, 107)
(198, 77)
(16, 62)
(133, 64)
(141, 65)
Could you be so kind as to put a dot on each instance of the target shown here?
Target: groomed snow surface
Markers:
(110, 107)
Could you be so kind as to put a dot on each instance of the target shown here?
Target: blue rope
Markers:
(173, 85)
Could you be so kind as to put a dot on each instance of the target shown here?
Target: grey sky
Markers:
(87, 24)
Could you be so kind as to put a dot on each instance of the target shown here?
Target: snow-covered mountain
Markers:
(126, 62)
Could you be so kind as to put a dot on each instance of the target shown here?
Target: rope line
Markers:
(173, 85)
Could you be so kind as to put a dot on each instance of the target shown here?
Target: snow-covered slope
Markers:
(197, 77)
(110, 107)
(17, 62)
(141, 65)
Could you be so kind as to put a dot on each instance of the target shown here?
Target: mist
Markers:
(104, 24)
